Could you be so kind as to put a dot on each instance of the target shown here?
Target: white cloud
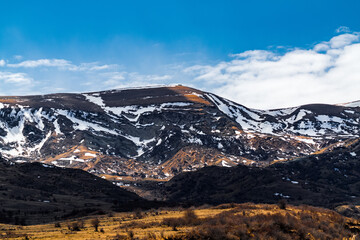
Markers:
(63, 65)
(342, 29)
(148, 78)
(18, 57)
(328, 73)
(114, 78)
(337, 42)
(131, 79)
(92, 67)
(17, 78)
(254, 54)
(343, 40)
(42, 63)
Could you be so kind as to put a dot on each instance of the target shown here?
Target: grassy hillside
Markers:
(230, 221)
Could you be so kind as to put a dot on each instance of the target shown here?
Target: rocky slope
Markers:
(158, 132)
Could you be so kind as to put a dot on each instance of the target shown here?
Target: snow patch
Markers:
(90, 155)
(225, 164)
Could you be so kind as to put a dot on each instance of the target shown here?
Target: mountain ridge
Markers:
(138, 133)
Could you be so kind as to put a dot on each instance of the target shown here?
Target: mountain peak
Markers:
(159, 131)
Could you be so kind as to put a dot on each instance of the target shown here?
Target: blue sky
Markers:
(77, 46)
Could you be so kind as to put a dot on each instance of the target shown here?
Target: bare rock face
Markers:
(156, 133)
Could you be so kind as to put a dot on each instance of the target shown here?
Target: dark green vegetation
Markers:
(32, 193)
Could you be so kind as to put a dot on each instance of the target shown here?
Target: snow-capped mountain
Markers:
(157, 132)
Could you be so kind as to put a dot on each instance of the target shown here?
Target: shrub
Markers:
(190, 217)
(130, 235)
(95, 223)
(75, 226)
(282, 204)
(138, 214)
(150, 236)
(308, 223)
(119, 237)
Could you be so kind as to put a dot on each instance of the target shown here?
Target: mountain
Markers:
(157, 132)
(328, 179)
(32, 193)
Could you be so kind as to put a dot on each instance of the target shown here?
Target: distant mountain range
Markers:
(159, 132)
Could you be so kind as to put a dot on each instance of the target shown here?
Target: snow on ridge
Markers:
(41, 144)
(14, 135)
(71, 159)
(225, 164)
(83, 125)
(292, 123)
(299, 116)
(234, 111)
(137, 110)
(280, 112)
(57, 127)
(96, 99)
(231, 108)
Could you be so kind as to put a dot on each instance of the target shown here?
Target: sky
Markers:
(261, 54)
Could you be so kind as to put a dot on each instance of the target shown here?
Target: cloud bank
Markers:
(329, 72)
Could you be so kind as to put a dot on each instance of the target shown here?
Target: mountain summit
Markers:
(157, 132)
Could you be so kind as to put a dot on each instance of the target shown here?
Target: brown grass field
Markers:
(228, 221)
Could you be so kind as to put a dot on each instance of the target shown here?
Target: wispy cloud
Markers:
(17, 78)
(61, 64)
(94, 66)
(41, 63)
(327, 73)
(18, 57)
(2, 62)
(132, 79)
(342, 29)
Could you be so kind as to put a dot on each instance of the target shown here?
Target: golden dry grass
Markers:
(149, 224)
(112, 225)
